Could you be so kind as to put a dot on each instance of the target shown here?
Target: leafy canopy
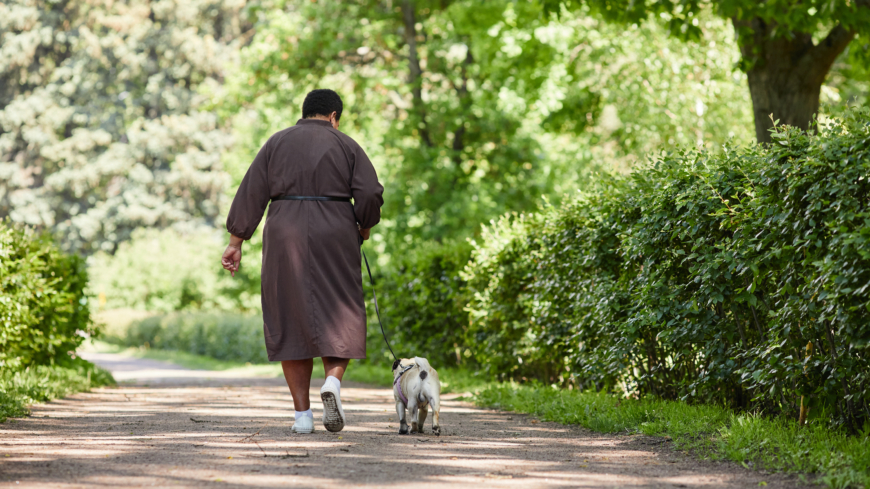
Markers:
(506, 107)
(681, 16)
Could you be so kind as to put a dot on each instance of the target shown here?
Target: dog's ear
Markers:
(396, 364)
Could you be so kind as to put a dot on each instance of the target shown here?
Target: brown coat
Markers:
(311, 282)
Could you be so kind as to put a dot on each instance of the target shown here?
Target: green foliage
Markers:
(850, 77)
(681, 16)
(42, 383)
(421, 302)
(165, 271)
(839, 460)
(702, 277)
(505, 107)
(44, 311)
(101, 130)
(233, 337)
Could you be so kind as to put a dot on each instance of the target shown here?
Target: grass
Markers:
(42, 383)
(837, 459)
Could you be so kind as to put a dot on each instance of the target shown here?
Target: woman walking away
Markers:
(311, 282)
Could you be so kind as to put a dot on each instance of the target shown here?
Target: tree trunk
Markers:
(415, 76)
(786, 72)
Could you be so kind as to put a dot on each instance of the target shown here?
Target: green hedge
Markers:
(44, 311)
(422, 300)
(223, 336)
(701, 277)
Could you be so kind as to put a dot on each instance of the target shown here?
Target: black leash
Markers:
(377, 310)
(372, 280)
(375, 296)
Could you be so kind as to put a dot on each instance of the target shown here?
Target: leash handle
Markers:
(375, 296)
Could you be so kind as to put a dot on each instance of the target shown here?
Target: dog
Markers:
(416, 387)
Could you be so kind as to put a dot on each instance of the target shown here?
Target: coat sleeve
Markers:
(251, 198)
(368, 193)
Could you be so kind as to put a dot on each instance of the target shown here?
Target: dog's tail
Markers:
(422, 363)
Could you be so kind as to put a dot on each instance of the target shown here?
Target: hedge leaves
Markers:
(703, 276)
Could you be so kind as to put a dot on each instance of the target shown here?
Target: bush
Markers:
(702, 277)
(536, 278)
(165, 270)
(223, 336)
(44, 312)
(422, 300)
(42, 383)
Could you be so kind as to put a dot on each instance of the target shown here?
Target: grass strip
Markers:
(42, 383)
(452, 380)
(835, 458)
(357, 371)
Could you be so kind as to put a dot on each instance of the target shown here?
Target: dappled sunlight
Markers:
(174, 432)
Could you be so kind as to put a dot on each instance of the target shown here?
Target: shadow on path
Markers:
(194, 428)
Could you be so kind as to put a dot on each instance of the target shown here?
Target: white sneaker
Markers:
(303, 424)
(333, 414)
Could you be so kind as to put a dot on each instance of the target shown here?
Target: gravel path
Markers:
(166, 426)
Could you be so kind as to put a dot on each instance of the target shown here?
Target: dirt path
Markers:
(169, 427)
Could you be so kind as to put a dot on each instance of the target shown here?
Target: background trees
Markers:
(123, 115)
(100, 127)
(471, 109)
(787, 48)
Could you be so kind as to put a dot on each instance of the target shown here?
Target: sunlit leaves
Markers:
(100, 127)
(703, 276)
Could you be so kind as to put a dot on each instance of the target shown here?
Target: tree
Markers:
(787, 47)
(471, 109)
(100, 127)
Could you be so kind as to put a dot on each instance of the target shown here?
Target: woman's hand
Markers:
(365, 233)
(233, 255)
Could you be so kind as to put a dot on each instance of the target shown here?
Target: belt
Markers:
(306, 197)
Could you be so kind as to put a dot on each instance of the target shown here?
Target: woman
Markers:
(311, 283)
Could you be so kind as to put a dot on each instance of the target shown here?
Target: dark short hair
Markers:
(322, 101)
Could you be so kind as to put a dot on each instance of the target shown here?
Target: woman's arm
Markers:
(367, 192)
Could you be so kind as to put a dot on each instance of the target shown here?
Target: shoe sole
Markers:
(332, 419)
(294, 429)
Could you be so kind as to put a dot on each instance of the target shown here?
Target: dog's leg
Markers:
(403, 425)
(421, 418)
(436, 412)
(413, 412)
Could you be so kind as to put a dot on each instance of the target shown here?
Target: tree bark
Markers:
(786, 72)
(409, 18)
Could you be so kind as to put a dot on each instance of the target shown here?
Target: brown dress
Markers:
(311, 284)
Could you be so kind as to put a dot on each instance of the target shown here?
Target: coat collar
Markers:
(313, 122)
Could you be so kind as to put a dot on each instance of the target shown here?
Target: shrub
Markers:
(42, 383)
(44, 312)
(165, 270)
(422, 300)
(223, 336)
(702, 277)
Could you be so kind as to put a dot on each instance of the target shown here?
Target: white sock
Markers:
(300, 414)
(333, 381)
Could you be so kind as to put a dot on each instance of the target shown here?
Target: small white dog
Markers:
(416, 387)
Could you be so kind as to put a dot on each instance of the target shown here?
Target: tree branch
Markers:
(822, 56)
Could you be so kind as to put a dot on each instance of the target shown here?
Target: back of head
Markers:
(322, 101)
